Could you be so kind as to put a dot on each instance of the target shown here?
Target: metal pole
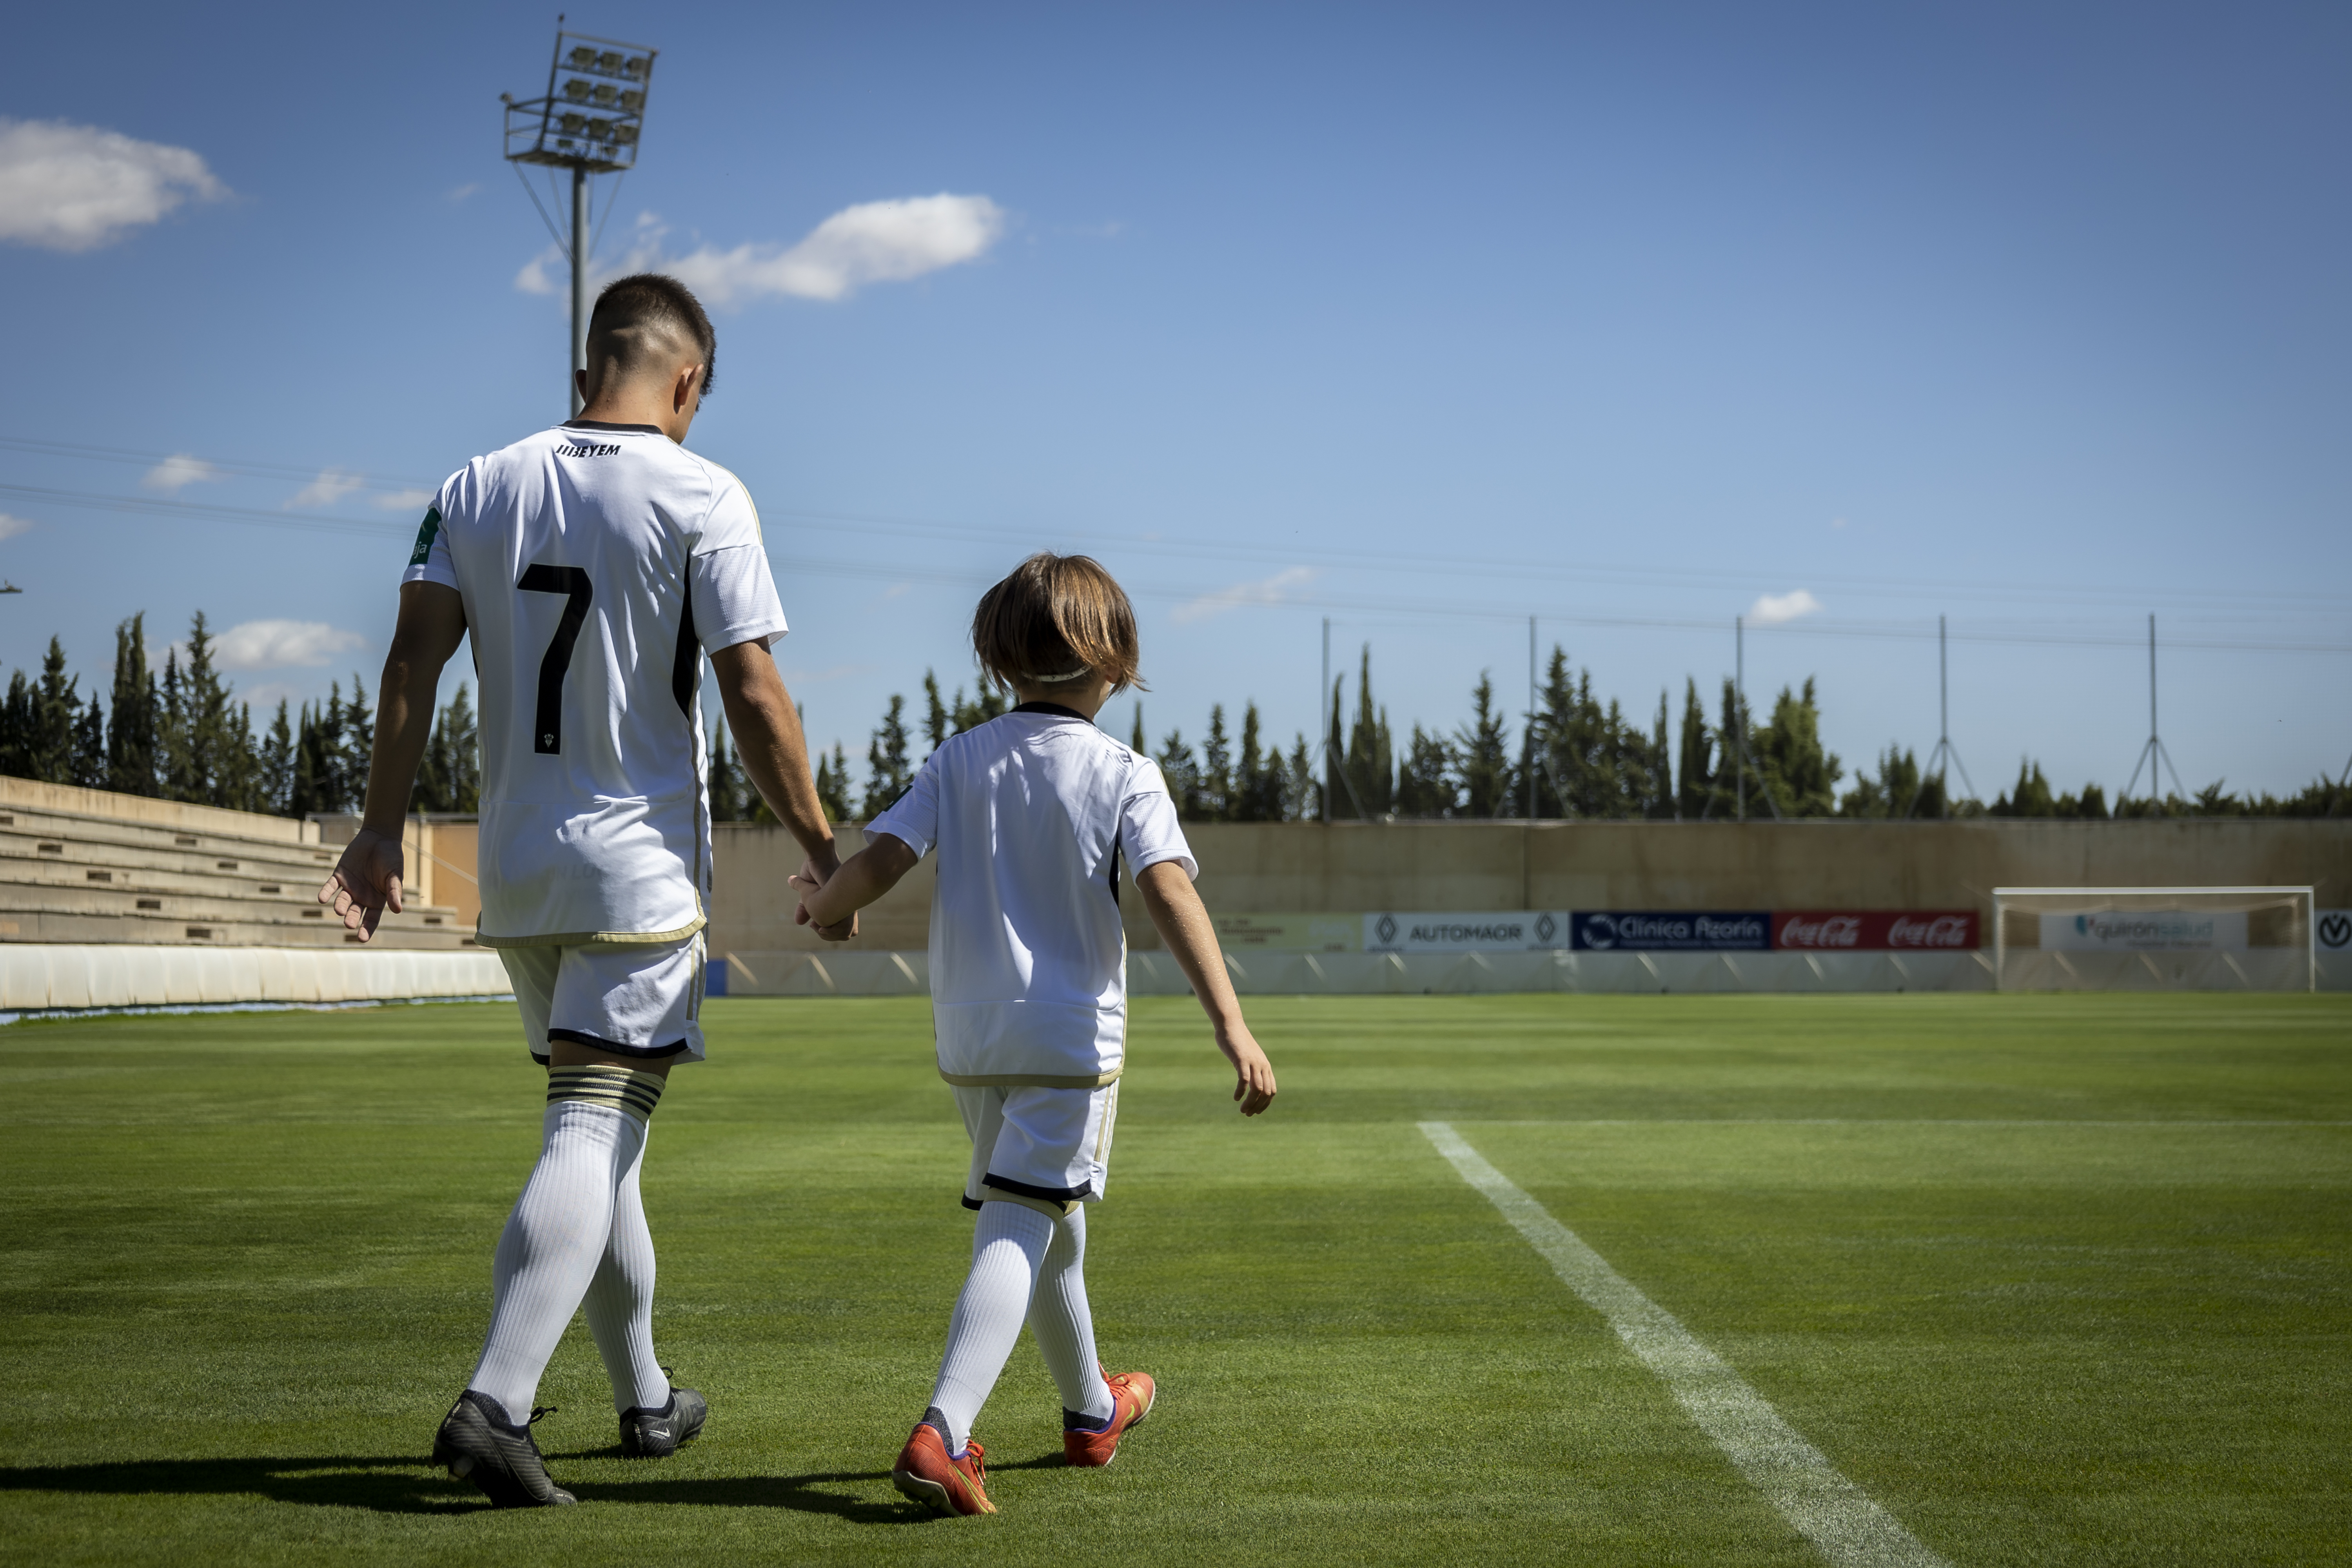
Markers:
(2151, 680)
(1323, 708)
(1943, 714)
(579, 281)
(1740, 708)
(1531, 718)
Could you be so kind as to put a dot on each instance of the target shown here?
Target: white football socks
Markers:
(1024, 1265)
(559, 1240)
(1008, 1247)
(620, 1301)
(1064, 1328)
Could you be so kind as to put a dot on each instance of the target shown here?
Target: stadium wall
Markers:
(1466, 867)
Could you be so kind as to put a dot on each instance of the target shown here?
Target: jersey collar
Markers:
(1053, 710)
(601, 425)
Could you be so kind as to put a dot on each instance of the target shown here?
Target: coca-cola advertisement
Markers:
(1874, 930)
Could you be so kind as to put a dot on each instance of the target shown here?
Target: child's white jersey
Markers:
(597, 563)
(1032, 813)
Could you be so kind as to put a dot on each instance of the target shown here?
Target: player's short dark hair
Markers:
(637, 317)
(1056, 617)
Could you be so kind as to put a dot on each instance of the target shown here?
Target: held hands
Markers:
(1254, 1075)
(810, 881)
(365, 881)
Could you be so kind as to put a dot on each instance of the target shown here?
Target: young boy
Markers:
(1032, 815)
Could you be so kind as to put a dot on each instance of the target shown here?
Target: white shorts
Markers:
(632, 1001)
(1046, 1148)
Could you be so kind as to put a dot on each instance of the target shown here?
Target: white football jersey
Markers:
(597, 564)
(1032, 813)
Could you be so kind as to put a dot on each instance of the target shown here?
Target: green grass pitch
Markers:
(2053, 1279)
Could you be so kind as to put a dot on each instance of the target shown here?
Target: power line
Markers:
(1027, 536)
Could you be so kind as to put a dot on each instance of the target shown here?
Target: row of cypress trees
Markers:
(182, 735)
(1575, 756)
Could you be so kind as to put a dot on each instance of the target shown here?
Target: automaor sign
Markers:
(1875, 930)
(1505, 930)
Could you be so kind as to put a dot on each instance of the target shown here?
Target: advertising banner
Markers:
(1294, 934)
(1875, 930)
(1512, 931)
(2334, 930)
(2144, 930)
(1672, 931)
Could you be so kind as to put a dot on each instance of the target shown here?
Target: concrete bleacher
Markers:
(79, 866)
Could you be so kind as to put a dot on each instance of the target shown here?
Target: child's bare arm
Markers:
(1183, 924)
(863, 878)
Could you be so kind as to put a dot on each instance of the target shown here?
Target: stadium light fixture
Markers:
(611, 79)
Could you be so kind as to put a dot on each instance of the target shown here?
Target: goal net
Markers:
(2154, 939)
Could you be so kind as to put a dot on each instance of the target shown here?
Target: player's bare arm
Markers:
(1183, 921)
(831, 902)
(367, 879)
(774, 752)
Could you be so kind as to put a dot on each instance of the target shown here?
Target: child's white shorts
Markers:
(1046, 1148)
(632, 1001)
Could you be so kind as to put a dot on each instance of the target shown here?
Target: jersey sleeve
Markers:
(430, 561)
(913, 818)
(1149, 831)
(734, 592)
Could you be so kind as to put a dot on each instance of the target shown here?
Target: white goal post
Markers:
(2154, 939)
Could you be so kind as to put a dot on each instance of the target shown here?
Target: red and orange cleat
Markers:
(927, 1474)
(1131, 1394)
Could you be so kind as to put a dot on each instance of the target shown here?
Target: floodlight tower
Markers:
(2153, 754)
(588, 123)
(1946, 753)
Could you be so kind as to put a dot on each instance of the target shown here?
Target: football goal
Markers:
(2154, 939)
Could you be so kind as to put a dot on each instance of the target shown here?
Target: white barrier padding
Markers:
(35, 976)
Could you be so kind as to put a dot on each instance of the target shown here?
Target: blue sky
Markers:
(1426, 319)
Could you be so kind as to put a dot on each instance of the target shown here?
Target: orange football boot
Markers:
(927, 1474)
(1131, 1394)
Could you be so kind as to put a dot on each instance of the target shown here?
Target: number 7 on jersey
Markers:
(546, 737)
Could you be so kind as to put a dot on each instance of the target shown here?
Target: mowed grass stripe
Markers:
(1838, 1517)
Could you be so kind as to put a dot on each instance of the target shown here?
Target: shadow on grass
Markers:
(407, 1485)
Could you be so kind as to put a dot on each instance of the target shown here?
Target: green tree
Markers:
(277, 764)
(89, 746)
(1482, 757)
(1216, 776)
(833, 784)
(1426, 783)
(1304, 799)
(1181, 770)
(131, 739)
(888, 772)
(1696, 759)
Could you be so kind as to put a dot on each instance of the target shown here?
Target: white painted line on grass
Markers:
(1878, 1121)
(1838, 1517)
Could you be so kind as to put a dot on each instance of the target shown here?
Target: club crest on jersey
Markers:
(577, 451)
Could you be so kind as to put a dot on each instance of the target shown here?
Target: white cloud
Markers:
(1774, 609)
(77, 187)
(1265, 591)
(872, 242)
(177, 472)
(462, 191)
(403, 500)
(275, 644)
(10, 527)
(533, 278)
(332, 486)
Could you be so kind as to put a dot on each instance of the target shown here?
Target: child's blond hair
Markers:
(1056, 618)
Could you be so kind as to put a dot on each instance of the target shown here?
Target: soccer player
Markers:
(1032, 813)
(594, 564)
